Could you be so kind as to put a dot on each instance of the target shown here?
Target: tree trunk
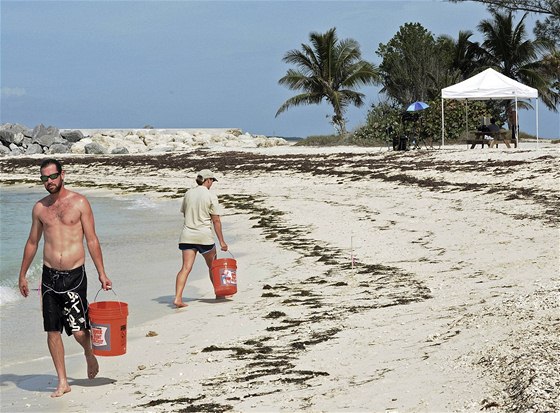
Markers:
(339, 121)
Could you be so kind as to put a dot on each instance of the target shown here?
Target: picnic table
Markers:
(497, 137)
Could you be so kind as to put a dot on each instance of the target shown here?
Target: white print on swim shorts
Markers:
(73, 312)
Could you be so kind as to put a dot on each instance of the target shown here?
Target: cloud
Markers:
(12, 92)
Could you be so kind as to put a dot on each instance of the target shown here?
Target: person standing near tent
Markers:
(201, 212)
(512, 123)
(65, 218)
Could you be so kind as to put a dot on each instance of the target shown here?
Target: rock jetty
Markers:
(18, 140)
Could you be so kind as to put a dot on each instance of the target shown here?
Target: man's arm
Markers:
(93, 245)
(218, 230)
(30, 250)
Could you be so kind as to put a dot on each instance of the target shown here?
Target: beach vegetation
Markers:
(329, 69)
(462, 55)
(322, 140)
(385, 122)
(416, 66)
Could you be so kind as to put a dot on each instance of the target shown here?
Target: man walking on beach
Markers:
(201, 211)
(65, 217)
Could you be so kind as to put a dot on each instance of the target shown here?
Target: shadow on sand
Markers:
(47, 382)
(167, 300)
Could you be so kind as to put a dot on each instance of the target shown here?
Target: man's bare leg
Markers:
(84, 338)
(56, 348)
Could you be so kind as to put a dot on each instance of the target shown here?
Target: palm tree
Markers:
(329, 69)
(463, 53)
(508, 48)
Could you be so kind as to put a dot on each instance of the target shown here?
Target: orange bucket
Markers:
(224, 276)
(108, 327)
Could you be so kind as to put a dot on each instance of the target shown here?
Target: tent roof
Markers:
(489, 85)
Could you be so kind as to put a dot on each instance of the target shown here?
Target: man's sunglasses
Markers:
(45, 178)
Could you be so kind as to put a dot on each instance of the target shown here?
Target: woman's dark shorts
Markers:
(203, 249)
(64, 300)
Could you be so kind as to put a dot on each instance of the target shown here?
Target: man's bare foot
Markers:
(92, 366)
(61, 390)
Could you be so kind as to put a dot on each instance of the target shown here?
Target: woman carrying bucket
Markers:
(201, 211)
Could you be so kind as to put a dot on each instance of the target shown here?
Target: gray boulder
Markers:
(16, 150)
(18, 138)
(44, 140)
(16, 128)
(95, 149)
(28, 133)
(72, 135)
(60, 139)
(26, 142)
(121, 150)
(39, 131)
(162, 149)
(6, 136)
(4, 151)
(10, 136)
(33, 149)
(58, 148)
(51, 130)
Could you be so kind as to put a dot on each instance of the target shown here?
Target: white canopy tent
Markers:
(489, 85)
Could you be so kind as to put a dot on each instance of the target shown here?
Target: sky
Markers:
(196, 64)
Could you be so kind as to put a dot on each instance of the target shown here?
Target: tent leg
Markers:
(442, 124)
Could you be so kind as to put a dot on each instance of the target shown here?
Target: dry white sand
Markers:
(453, 304)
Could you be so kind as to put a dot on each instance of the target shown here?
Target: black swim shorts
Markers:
(64, 300)
(203, 249)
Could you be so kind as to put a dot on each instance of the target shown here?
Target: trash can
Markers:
(403, 142)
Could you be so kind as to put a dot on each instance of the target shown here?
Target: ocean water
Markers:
(15, 213)
(138, 236)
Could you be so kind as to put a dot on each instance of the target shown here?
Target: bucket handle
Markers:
(216, 255)
(101, 289)
(111, 289)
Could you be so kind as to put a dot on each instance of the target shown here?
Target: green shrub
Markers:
(384, 121)
(322, 140)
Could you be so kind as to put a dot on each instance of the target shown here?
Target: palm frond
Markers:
(330, 69)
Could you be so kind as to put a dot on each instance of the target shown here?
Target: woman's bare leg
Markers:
(182, 275)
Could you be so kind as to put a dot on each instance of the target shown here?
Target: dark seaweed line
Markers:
(387, 167)
(273, 364)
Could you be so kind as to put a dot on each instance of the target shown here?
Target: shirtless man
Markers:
(65, 218)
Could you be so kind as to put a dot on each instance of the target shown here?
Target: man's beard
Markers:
(54, 188)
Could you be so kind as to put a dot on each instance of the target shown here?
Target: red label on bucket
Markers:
(101, 336)
(228, 276)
